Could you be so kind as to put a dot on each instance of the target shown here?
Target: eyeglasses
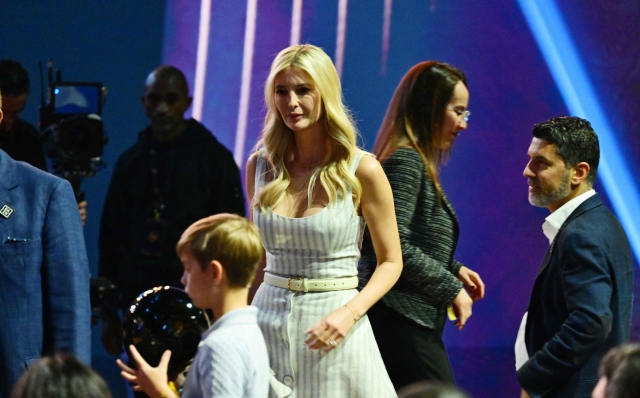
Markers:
(460, 112)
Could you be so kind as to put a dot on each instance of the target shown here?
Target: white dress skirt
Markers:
(324, 245)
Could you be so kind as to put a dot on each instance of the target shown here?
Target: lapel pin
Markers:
(6, 211)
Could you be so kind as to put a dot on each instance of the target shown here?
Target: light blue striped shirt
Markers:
(232, 359)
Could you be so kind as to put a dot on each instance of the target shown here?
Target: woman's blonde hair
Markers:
(278, 140)
(415, 113)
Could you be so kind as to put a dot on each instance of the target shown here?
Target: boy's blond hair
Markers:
(232, 240)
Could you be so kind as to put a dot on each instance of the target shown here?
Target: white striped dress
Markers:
(324, 245)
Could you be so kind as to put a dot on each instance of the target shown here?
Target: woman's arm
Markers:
(379, 213)
(250, 182)
(377, 208)
(250, 178)
(431, 278)
(428, 276)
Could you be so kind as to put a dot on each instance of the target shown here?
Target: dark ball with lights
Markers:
(164, 318)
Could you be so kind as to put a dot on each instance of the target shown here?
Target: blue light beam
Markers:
(568, 71)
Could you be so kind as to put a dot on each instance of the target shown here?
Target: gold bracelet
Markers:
(352, 313)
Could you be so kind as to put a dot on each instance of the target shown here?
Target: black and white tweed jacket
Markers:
(428, 235)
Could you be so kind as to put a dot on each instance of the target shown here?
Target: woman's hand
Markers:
(152, 381)
(472, 282)
(330, 330)
(462, 307)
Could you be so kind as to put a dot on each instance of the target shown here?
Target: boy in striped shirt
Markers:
(220, 255)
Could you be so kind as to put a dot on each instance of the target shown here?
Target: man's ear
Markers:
(579, 173)
(217, 272)
(1, 115)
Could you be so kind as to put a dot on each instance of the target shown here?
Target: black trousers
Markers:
(410, 352)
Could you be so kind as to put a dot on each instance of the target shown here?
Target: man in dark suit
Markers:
(580, 306)
(44, 274)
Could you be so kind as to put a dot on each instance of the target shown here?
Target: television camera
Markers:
(74, 138)
(71, 127)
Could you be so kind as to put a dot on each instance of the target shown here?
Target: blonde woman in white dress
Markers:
(311, 190)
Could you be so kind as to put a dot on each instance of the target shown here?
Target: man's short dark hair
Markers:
(575, 141)
(14, 79)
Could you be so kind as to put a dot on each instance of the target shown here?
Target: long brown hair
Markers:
(415, 112)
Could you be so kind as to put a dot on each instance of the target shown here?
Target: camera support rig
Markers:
(71, 127)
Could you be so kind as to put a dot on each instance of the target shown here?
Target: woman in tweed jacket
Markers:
(425, 115)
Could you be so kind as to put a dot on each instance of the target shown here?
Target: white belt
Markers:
(311, 285)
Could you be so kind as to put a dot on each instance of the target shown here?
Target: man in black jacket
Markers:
(580, 306)
(176, 174)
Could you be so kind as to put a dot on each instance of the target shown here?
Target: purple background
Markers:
(120, 42)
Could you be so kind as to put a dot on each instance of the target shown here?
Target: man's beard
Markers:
(546, 199)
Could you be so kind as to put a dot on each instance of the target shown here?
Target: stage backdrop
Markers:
(225, 48)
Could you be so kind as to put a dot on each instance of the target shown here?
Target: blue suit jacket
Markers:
(580, 306)
(44, 275)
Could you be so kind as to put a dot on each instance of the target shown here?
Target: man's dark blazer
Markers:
(580, 306)
(44, 274)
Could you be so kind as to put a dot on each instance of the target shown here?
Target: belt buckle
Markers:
(295, 279)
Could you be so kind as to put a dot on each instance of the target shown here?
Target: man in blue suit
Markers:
(44, 275)
(580, 306)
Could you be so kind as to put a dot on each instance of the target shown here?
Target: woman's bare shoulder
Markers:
(368, 167)
(252, 161)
